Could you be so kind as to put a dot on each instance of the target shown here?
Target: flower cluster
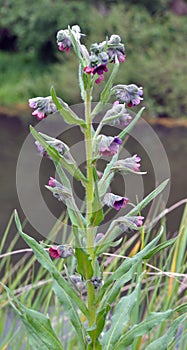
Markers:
(64, 40)
(43, 106)
(129, 94)
(60, 146)
(117, 115)
(101, 54)
(108, 145)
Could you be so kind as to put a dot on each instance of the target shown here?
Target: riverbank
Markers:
(22, 110)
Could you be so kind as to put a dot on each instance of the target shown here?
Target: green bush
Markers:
(156, 43)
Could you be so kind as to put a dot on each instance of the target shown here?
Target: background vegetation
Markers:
(154, 37)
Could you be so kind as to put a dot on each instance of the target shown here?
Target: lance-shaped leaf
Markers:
(146, 326)
(120, 318)
(43, 257)
(69, 165)
(119, 225)
(97, 209)
(76, 45)
(129, 262)
(96, 330)
(69, 116)
(70, 308)
(107, 177)
(163, 342)
(39, 330)
(84, 263)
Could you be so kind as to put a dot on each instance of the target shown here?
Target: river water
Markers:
(13, 132)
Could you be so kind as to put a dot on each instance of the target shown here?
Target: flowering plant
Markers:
(101, 315)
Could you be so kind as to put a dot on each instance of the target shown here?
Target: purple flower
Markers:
(43, 106)
(117, 115)
(108, 145)
(63, 38)
(97, 282)
(128, 165)
(116, 49)
(58, 190)
(57, 144)
(100, 69)
(114, 201)
(134, 222)
(52, 182)
(129, 94)
(60, 251)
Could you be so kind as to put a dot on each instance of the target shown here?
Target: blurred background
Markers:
(154, 33)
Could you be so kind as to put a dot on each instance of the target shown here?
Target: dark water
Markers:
(13, 132)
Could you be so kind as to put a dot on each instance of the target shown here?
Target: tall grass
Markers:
(163, 287)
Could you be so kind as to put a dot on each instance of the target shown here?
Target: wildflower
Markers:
(116, 49)
(97, 282)
(57, 144)
(134, 222)
(128, 165)
(77, 281)
(108, 145)
(64, 40)
(130, 94)
(61, 251)
(59, 191)
(43, 106)
(114, 201)
(117, 115)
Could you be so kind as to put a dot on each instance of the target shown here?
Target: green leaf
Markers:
(111, 294)
(72, 168)
(96, 330)
(69, 116)
(148, 199)
(39, 330)
(107, 177)
(97, 211)
(129, 262)
(70, 308)
(44, 259)
(120, 318)
(131, 125)
(76, 46)
(84, 265)
(82, 82)
(106, 93)
(142, 328)
(160, 247)
(163, 342)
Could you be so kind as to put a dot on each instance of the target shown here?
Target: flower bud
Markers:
(108, 145)
(61, 251)
(117, 115)
(128, 165)
(97, 282)
(114, 201)
(43, 106)
(130, 94)
(77, 281)
(59, 191)
(60, 146)
(64, 40)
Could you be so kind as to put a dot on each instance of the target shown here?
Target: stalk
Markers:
(89, 201)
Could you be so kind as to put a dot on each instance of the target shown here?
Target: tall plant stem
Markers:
(89, 201)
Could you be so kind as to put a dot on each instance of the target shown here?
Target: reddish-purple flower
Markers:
(129, 94)
(108, 145)
(128, 165)
(114, 201)
(43, 106)
(61, 251)
(117, 115)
